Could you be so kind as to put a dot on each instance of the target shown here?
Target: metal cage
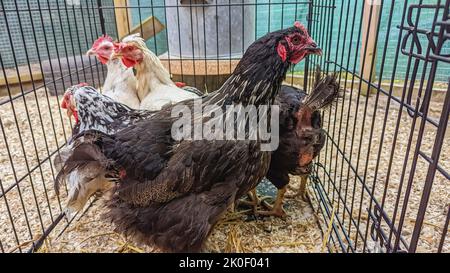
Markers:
(381, 183)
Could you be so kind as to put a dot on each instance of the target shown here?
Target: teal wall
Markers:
(278, 15)
(351, 45)
(157, 44)
(59, 29)
(73, 36)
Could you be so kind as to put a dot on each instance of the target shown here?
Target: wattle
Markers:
(102, 59)
(128, 63)
(297, 57)
(75, 115)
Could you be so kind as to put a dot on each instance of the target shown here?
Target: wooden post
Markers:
(149, 27)
(370, 7)
(122, 18)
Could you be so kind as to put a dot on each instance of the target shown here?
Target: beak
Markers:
(303, 170)
(314, 49)
(69, 113)
(91, 52)
(116, 55)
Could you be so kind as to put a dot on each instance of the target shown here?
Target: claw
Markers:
(280, 213)
(277, 208)
(254, 201)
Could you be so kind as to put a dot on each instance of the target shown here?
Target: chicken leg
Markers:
(254, 200)
(277, 208)
(301, 191)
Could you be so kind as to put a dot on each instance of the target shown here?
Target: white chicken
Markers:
(120, 82)
(155, 88)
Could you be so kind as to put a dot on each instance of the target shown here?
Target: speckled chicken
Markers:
(91, 111)
(172, 192)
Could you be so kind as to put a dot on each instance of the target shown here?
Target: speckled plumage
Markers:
(95, 112)
(102, 113)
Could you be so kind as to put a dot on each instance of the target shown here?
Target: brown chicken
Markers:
(301, 136)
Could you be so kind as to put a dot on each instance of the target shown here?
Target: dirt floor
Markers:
(28, 208)
(237, 232)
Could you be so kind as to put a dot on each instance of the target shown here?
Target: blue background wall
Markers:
(62, 28)
(78, 27)
(279, 15)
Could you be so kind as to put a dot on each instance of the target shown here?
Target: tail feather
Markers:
(326, 90)
(61, 158)
(83, 152)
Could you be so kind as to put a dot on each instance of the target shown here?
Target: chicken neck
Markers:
(118, 77)
(151, 74)
(256, 80)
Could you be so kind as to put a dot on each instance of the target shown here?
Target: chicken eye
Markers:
(295, 40)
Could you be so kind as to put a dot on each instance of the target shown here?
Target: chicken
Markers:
(171, 191)
(91, 110)
(154, 85)
(301, 135)
(120, 82)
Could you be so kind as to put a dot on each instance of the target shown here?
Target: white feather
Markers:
(154, 85)
(81, 186)
(120, 84)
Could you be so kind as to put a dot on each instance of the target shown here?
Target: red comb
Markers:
(180, 84)
(300, 26)
(82, 84)
(101, 40)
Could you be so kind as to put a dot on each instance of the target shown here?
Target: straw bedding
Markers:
(33, 203)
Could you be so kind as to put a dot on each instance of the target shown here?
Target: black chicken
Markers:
(172, 193)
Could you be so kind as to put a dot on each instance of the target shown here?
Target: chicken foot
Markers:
(277, 208)
(254, 200)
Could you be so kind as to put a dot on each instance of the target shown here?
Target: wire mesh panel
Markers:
(42, 47)
(380, 184)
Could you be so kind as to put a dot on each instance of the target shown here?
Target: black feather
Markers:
(84, 151)
(326, 90)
